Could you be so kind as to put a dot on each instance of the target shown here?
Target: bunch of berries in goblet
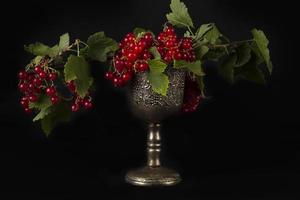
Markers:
(131, 58)
(135, 52)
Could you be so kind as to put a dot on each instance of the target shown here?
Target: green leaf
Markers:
(158, 80)
(54, 51)
(194, 67)
(201, 85)
(64, 41)
(60, 113)
(202, 30)
(43, 104)
(42, 114)
(78, 69)
(100, 46)
(138, 31)
(82, 86)
(157, 66)
(40, 49)
(226, 69)
(37, 49)
(262, 44)
(155, 53)
(179, 16)
(159, 83)
(243, 54)
(201, 51)
(37, 60)
(212, 35)
(251, 72)
(187, 34)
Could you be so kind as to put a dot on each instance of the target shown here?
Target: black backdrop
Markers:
(243, 144)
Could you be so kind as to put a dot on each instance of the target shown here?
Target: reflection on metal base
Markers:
(153, 176)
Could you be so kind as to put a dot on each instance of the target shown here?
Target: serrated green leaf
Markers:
(243, 54)
(158, 80)
(155, 53)
(54, 51)
(202, 30)
(42, 114)
(212, 35)
(37, 60)
(157, 66)
(60, 113)
(194, 67)
(82, 86)
(215, 54)
(226, 69)
(179, 16)
(201, 85)
(43, 104)
(37, 49)
(187, 34)
(138, 31)
(78, 69)
(64, 41)
(201, 51)
(100, 46)
(262, 44)
(251, 72)
(40, 49)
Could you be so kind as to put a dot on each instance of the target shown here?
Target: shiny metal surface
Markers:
(153, 174)
(154, 108)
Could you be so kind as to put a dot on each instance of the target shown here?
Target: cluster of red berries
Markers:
(79, 102)
(192, 96)
(171, 48)
(34, 82)
(40, 79)
(131, 58)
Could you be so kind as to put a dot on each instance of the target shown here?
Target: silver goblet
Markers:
(153, 108)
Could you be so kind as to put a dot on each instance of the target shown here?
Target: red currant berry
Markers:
(24, 102)
(132, 57)
(71, 86)
(38, 69)
(22, 75)
(87, 104)
(169, 30)
(75, 107)
(54, 100)
(52, 76)
(42, 75)
(109, 75)
(143, 66)
(37, 82)
(32, 98)
(177, 56)
(148, 38)
(127, 76)
(31, 86)
(27, 110)
(128, 64)
(50, 91)
(119, 65)
(23, 87)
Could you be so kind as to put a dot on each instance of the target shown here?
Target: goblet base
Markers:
(153, 176)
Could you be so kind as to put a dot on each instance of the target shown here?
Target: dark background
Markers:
(243, 144)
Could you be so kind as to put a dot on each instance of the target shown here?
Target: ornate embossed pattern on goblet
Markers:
(154, 108)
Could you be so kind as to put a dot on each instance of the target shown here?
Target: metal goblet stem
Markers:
(153, 174)
(154, 108)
